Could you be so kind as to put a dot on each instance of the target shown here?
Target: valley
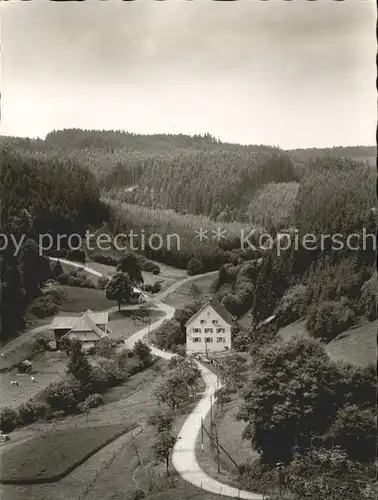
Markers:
(296, 312)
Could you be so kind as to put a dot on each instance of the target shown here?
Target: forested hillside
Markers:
(196, 174)
(189, 174)
(331, 283)
(177, 184)
(356, 153)
(37, 197)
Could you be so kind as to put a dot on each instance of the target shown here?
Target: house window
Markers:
(208, 330)
(220, 330)
(202, 321)
(196, 339)
(196, 330)
(221, 339)
(214, 321)
(208, 339)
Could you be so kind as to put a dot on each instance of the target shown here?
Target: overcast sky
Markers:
(293, 74)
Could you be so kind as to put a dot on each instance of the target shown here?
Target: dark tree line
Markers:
(37, 196)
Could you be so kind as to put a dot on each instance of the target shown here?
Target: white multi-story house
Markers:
(209, 329)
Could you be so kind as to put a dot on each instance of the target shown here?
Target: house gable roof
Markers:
(218, 308)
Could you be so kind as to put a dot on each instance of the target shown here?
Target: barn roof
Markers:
(86, 324)
(65, 322)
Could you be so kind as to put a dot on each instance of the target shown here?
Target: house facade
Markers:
(88, 329)
(209, 330)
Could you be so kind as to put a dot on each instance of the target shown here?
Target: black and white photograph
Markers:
(188, 250)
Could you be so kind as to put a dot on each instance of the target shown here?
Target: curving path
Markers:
(184, 454)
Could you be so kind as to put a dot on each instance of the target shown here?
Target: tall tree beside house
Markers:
(119, 288)
(130, 264)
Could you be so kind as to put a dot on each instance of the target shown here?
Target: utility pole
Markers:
(211, 415)
(280, 475)
(136, 451)
(201, 433)
(149, 322)
(218, 458)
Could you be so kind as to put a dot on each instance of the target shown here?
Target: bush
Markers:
(105, 349)
(123, 357)
(168, 334)
(32, 411)
(110, 370)
(175, 361)
(64, 395)
(179, 350)
(58, 294)
(354, 430)
(56, 269)
(102, 282)
(99, 380)
(52, 414)
(325, 473)
(9, 420)
(292, 305)
(63, 279)
(76, 256)
(223, 395)
(143, 352)
(195, 266)
(62, 252)
(41, 344)
(104, 259)
(233, 304)
(80, 280)
(134, 366)
(149, 266)
(156, 287)
(43, 307)
(329, 318)
(136, 495)
(93, 401)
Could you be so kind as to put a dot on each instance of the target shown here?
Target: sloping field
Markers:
(49, 457)
(358, 345)
(296, 328)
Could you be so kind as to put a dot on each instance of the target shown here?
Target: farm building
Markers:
(89, 328)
